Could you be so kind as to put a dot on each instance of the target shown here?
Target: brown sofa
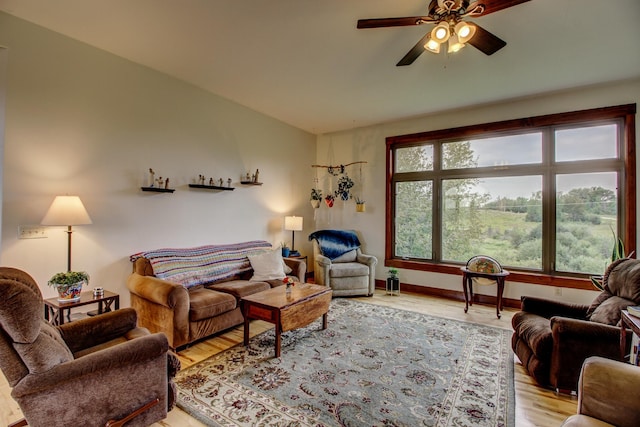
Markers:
(189, 313)
(552, 338)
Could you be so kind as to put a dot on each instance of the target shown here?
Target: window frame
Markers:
(625, 114)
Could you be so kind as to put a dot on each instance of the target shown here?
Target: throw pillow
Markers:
(267, 265)
(609, 311)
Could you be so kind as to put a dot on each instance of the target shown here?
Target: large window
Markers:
(544, 195)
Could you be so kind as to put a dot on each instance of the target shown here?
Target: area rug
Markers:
(372, 366)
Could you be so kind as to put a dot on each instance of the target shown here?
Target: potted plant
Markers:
(393, 282)
(616, 253)
(360, 205)
(344, 186)
(316, 197)
(69, 284)
(329, 200)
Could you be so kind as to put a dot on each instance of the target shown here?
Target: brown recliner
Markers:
(98, 371)
(552, 339)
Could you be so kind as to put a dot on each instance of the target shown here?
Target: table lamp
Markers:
(293, 224)
(69, 211)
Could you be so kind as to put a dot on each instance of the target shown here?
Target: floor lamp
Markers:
(293, 224)
(69, 211)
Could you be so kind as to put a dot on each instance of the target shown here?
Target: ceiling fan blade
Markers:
(393, 22)
(415, 51)
(491, 6)
(485, 41)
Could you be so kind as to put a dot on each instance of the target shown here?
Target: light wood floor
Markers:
(535, 406)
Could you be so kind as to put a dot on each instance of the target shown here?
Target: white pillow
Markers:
(267, 265)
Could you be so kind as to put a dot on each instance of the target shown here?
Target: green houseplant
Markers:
(69, 284)
(616, 253)
(316, 197)
(393, 282)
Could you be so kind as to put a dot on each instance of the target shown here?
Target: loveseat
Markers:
(192, 293)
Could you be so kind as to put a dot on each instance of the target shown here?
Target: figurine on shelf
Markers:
(211, 182)
(229, 182)
(152, 177)
(160, 182)
(255, 177)
(248, 178)
(166, 183)
(220, 180)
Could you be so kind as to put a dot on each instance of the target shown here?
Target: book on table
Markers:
(634, 310)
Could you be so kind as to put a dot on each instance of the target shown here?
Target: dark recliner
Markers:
(86, 373)
(552, 339)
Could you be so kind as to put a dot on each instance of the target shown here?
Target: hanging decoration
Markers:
(345, 184)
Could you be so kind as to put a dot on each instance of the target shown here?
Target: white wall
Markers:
(81, 121)
(368, 144)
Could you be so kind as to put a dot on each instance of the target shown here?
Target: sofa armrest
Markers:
(159, 291)
(549, 308)
(610, 391)
(121, 356)
(321, 272)
(298, 267)
(162, 306)
(86, 333)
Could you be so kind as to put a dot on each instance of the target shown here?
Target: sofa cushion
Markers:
(205, 303)
(267, 265)
(348, 269)
(240, 288)
(608, 312)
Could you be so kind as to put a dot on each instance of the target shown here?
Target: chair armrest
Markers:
(90, 332)
(573, 341)
(610, 391)
(163, 292)
(549, 308)
(298, 267)
(122, 356)
(369, 260)
(321, 272)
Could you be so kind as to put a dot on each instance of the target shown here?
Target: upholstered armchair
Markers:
(608, 395)
(552, 339)
(340, 263)
(92, 372)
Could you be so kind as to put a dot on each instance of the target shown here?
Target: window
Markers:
(543, 195)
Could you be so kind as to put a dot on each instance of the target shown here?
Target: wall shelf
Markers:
(250, 183)
(211, 187)
(158, 190)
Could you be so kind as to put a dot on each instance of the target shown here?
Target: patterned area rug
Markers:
(372, 366)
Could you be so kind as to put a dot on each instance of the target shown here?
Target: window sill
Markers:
(515, 276)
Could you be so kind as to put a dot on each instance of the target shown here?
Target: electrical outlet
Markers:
(558, 292)
(32, 232)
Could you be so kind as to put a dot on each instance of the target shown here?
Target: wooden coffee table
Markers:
(305, 304)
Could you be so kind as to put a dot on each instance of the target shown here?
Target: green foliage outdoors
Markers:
(509, 230)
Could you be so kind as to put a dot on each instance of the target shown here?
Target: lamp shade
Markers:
(66, 210)
(293, 223)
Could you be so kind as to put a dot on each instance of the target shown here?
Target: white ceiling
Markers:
(305, 63)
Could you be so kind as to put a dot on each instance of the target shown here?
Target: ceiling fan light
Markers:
(455, 44)
(465, 31)
(440, 32)
(432, 46)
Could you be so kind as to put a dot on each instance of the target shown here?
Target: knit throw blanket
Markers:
(204, 264)
(334, 243)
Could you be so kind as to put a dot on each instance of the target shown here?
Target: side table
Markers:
(54, 310)
(467, 286)
(627, 321)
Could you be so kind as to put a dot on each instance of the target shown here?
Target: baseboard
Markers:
(450, 294)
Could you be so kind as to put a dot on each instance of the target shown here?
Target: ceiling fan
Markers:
(447, 15)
